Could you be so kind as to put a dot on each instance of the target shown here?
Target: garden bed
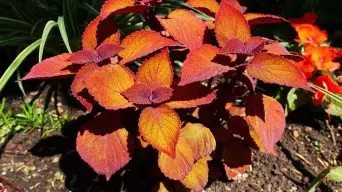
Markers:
(51, 164)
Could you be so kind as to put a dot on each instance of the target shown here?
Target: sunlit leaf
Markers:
(78, 86)
(156, 70)
(229, 24)
(185, 27)
(276, 69)
(200, 138)
(160, 127)
(177, 167)
(198, 65)
(197, 178)
(107, 83)
(266, 118)
(141, 43)
(205, 5)
(103, 143)
(51, 68)
(259, 18)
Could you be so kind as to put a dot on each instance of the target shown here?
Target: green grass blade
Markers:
(90, 9)
(16, 63)
(333, 96)
(20, 84)
(64, 34)
(49, 25)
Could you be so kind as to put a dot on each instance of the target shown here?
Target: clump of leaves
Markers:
(29, 118)
(184, 85)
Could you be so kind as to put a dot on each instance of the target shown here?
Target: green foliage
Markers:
(24, 22)
(29, 118)
(331, 174)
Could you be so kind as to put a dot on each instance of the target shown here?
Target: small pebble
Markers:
(295, 134)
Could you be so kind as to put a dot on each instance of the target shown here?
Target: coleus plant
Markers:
(189, 75)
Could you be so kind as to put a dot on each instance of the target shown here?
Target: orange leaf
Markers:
(276, 69)
(144, 94)
(230, 23)
(266, 119)
(193, 102)
(205, 5)
(200, 138)
(259, 18)
(156, 70)
(198, 65)
(177, 167)
(51, 68)
(103, 144)
(236, 4)
(142, 43)
(235, 110)
(197, 179)
(78, 86)
(99, 31)
(185, 27)
(237, 158)
(107, 84)
(111, 7)
(160, 127)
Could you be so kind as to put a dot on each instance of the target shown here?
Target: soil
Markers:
(32, 163)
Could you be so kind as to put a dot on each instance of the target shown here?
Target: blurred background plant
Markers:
(30, 24)
(29, 118)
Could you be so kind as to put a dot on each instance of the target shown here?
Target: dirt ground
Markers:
(29, 163)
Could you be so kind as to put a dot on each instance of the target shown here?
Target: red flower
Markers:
(322, 57)
(327, 83)
(307, 67)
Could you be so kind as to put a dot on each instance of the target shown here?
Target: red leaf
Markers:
(144, 94)
(78, 86)
(276, 49)
(185, 27)
(160, 127)
(111, 7)
(276, 69)
(251, 47)
(156, 70)
(142, 43)
(103, 52)
(230, 23)
(51, 68)
(200, 139)
(266, 119)
(107, 84)
(100, 31)
(237, 5)
(211, 6)
(198, 65)
(237, 158)
(259, 18)
(103, 144)
(178, 166)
